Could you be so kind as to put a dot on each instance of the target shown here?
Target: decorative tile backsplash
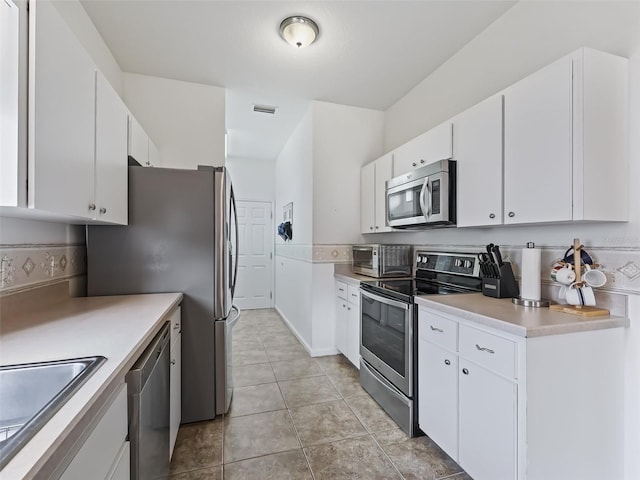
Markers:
(315, 253)
(22, 267)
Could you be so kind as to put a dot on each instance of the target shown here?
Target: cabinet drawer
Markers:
(341, 290)
(439, 330)
(122, 468)
(354, 295)
(495, 353)
(175, 320)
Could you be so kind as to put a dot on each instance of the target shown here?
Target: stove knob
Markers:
(457, 262)
(468, 264)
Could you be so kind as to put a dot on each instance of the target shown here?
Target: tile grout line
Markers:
(295, 429)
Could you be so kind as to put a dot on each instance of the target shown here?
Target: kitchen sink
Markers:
(31, 393)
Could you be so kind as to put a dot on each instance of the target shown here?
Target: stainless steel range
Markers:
(388, 326)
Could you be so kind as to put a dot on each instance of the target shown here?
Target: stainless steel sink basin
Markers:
(30, 394)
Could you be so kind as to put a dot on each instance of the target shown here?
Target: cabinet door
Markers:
(427, 148)
(384, 172)
(61, 116)
(154, 155)
(341, 326)
(477, 147)
(138, 142)
(175, 386)
(537, 147)
(111, 154)
(487, 434)
(367, 198)
(353, 331)
(438, 395)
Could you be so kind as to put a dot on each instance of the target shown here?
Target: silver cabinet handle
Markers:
(370, 228)
(435, 329)
(176, 326)
(92, 207)
(341, 289)
(354, 295)
(484, 349)
(422, 161)
(348, 308)
(492, 215)
(344, 306)
(377, 227)
(173, 362)
(512, 214)
(447, 362)
(414, 164)
(465, 371)
(103, 210)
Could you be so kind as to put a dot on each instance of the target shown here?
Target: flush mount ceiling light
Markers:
(299, 31)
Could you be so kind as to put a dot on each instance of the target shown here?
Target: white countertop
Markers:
(118, 328)
(353, 278)
(503, 314)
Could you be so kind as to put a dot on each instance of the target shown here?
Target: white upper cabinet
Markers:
(431, 146)
(138, 142)
(61, 116)
(111, 154)
(9, 58)
(77, 160)
(537, 144)
(373, 211)
(565, 142)
(477, 147)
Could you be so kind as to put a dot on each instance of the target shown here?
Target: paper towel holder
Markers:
(526, 302)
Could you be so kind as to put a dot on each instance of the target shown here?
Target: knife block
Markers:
(504, 286)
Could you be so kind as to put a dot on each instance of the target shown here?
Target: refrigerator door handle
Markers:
(235, 268)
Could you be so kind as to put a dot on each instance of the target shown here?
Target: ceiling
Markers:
(368, 54)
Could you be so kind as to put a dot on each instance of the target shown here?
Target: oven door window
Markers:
(404, 203)
(363, 258)
(384, 333)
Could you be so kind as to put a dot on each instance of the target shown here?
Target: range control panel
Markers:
(457, 263)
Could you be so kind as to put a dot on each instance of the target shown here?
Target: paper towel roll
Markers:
(530, 273)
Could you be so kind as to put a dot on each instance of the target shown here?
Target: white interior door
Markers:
(254, 288)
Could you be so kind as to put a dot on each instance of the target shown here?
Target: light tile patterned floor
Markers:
(296, 417)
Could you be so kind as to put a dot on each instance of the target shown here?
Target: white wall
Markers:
(19, 232)
(294, 180)
(185, 120)
(344, 139)
(527, 37)
(80, 23)
(253, 179)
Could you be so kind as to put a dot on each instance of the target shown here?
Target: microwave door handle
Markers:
(425, 188)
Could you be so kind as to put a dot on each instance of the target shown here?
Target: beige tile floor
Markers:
(296, 417)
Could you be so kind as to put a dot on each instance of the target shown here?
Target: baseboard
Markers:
(313, 352)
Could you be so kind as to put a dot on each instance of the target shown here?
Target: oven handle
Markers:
(387, 301)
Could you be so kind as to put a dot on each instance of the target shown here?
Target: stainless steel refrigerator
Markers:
(182, 237)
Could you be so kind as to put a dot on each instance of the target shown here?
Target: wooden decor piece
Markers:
(580, 310)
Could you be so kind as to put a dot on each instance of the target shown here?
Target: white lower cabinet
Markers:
(487, 433)
(348, 321)
(437, 392)
(175, 378)
(105, 453)
(507, 407)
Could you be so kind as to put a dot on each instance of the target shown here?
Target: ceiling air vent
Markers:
(264, 109)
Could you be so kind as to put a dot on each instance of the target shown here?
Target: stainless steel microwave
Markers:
(382, 260)
(424, 197)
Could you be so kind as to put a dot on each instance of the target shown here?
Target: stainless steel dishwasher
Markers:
(148, 397)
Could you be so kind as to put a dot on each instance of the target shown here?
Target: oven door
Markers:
(386, 332)
(365, 260)
(405, 203)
